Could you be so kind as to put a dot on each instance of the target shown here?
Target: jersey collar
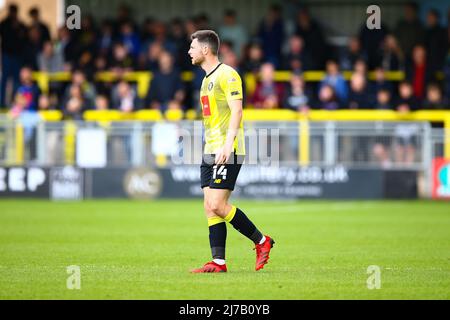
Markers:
(214, 70)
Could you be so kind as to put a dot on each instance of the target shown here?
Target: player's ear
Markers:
(205, 49)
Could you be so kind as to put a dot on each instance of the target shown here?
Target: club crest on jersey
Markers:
(210, 86)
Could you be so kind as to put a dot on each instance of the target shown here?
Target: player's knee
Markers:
(217, 207)
(206, 206)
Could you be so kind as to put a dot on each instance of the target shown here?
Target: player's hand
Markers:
(223, 155)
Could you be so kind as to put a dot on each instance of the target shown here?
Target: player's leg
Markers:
(217, 202)
(217, 230)
(217, 226)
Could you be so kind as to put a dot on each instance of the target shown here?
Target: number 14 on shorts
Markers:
(220, 171)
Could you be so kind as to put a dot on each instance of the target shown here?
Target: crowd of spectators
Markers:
(119, 45)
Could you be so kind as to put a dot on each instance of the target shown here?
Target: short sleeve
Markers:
(231, 84)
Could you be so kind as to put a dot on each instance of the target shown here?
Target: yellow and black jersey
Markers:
(220, 86)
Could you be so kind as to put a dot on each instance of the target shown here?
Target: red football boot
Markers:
(262, 252)
(211, 267)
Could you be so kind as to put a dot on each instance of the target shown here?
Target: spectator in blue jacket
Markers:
(335, 79)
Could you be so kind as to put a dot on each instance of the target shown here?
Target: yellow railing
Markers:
(143, 78)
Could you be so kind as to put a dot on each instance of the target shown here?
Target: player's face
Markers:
(195, 52)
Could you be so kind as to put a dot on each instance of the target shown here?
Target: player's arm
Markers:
(233, 129)
(232, 87)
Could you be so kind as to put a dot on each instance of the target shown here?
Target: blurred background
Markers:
(114, 95)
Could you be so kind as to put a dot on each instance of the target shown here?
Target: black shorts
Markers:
(222, 176)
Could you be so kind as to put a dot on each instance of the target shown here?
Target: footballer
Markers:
(224, 152)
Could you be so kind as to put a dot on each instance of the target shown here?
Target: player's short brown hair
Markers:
(209, 37)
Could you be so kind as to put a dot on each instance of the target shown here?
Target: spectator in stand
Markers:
(124, 98)
(436, 42)
(392, 56)
(87, 42)
(384, 101)
(182, 43)
(202, 21)
(232, 31)
(352, 54)
(122, 60)
(18, 106)
(105, 39)
(230, 58)
(419, 72)
(130, 39)
(380, 82)
(406, 101)
(67, 45)
(371, 43)
(36, 21)
(360, 67)
(13, 34)
(124, 14)
(335, 79)
(166, 89)
(32, 47)
(434, 99)
(28, 118)
(268, 93)
(271, 35)
(101, 102)
(254, 58)
(297, 59)
(75, 103)
(160, 36)
(405, 134)
(147, 32)
(409, 31)
(151, 59)
(46, 102)
(29, 89)
(327, 98)
(359, 97)
(50, 60)
(87, 88)
(226, 47)
(312, 34)
(447, 71)
(297, 96)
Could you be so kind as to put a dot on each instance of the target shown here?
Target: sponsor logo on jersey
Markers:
(206, 107)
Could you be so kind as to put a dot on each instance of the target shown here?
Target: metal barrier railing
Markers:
(369, 144)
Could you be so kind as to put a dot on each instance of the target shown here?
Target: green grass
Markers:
(144, 250)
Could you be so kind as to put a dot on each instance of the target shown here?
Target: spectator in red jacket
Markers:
(268, 93)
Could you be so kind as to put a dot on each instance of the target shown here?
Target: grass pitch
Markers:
(144, 250)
